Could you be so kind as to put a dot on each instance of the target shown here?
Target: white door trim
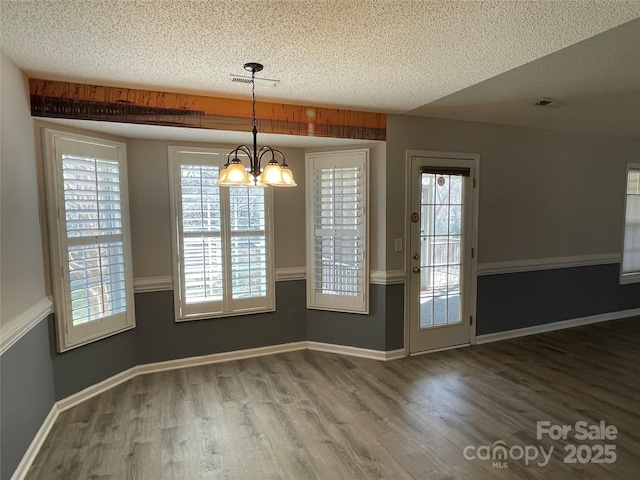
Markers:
(475, 157)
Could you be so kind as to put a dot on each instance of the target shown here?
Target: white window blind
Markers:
(222, 246)
(337, 231)
(630, 268)
(90, 244)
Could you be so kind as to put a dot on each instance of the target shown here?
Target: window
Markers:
(89, 237)
(630, 268)
(337, 231)
(222, 248)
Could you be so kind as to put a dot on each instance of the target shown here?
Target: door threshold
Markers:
(423, 352)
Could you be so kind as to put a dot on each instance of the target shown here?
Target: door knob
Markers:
(416, 269)
(416, 256)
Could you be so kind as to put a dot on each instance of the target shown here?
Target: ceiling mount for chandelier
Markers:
(276, 173)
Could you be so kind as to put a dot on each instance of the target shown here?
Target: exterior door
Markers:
(442, 264)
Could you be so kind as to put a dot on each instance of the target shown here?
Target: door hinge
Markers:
(474, 182)
(470, 319)
(473, 252)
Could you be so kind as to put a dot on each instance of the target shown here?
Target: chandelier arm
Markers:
(242, 148)
(266, 149)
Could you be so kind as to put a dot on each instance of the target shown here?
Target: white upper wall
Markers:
(22, 278)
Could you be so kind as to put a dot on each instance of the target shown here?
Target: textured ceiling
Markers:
(385, 56)
(594, 86)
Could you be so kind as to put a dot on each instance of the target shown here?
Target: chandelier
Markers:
(234, 173)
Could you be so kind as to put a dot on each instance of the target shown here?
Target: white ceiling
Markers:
(485, 61)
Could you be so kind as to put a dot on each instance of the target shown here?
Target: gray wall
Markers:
(527, 299)
(84, 366)
(160, 338)
(26, 395)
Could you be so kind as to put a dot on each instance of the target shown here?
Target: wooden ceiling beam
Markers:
(79, 101)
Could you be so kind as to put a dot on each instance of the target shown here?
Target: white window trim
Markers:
(68, 335)
(631, 277)
(336, 303)
(228, 307)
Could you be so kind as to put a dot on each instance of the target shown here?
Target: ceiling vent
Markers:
(260, 82)
(543, 102)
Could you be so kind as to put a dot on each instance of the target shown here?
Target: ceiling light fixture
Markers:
(234, 173)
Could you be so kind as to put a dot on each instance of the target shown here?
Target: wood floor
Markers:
(311, 415)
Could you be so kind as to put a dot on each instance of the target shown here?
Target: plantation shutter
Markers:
(248, 239)
(338, 231)
(201, 240)
(91, 248)
(630, 270)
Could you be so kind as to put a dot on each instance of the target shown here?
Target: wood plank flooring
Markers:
(312, 415)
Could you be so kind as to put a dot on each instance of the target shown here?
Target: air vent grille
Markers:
(260, 82)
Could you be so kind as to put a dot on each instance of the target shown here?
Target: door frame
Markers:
(475, 158)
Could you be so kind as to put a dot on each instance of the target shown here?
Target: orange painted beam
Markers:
(79, 101)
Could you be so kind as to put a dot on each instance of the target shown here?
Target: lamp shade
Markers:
(234, 175)
(272, 175)
(287, 178)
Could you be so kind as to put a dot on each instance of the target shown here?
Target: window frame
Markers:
(633, 276)
(359, 303)
(68, 335)
(227, 307)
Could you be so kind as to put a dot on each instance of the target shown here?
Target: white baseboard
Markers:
(220, 357)
(356, 351)
(550, 327)
(442, 349)
(30, 455)
(15, 329)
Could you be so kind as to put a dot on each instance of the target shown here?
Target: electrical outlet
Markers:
(398, 245)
